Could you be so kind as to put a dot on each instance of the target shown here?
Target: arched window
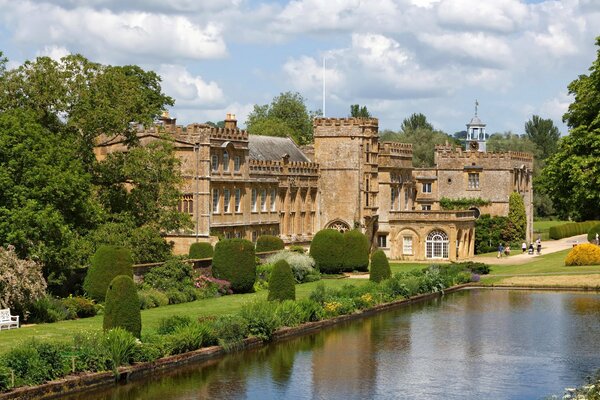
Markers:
(225, 161)
(436, 245)
(339, 226)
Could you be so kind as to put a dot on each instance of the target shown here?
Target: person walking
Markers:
(539, 246)
(524, 247)
(531, 248)
(500, 250)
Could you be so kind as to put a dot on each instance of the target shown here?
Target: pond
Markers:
(472, 344)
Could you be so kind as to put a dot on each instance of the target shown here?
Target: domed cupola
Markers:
(476, 135)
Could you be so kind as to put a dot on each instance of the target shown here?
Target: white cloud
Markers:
(189, 90)
(488, 15)
(307, 74)
(556, 107)
(478, 47)
(54, 52)
(556, 40)
(114, 36)
(201, 115)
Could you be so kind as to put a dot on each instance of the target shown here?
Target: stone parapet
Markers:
(372, 122)
(279, 167)
(407, 216)
(396, 149)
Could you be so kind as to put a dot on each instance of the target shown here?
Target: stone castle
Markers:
(243, 186)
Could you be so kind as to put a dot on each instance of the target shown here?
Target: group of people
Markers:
(531, 249)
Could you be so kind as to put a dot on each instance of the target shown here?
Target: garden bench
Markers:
(8, 321)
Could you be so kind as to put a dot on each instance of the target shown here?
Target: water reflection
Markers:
(472, 344)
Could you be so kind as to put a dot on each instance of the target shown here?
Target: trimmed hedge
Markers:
(269, 243)
(282, 285)
(571, 229)
(122, 307)
(356, 251)
(592, 233)
(234, 261)
(200, 250)
(583, 254)
(380, 267)
(327, 249)
(107, 263)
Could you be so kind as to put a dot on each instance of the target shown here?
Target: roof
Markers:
(476, 121)
(272, 148)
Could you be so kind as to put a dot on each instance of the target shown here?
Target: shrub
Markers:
(80, 306)
(327, 249)
(302, 265)
(263, 274)
(356, 251)
(148, 352)
(174, 278)
(107, 263)
(234, 261)
(170, 324)
(380, 267)
(21, 282)
(517, 216)
(120, 346)
(592, 233)
(268, 243)
(189, 337)
(212, 287)
(311, 310)
(475, 267)
(231, 330)
(583, 254)
(151, 298)
(5, 378)
(571, 229)
(122, 307)
(48, 309)
(297, 249)
(92, 355)
(261, 317)
(290, 313)
(282, 285)
(201, 250)
(34, 363)
(490, 231)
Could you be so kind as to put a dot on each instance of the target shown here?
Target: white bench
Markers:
(8, 321)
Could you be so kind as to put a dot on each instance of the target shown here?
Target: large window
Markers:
(273, 199)
(427, 187)
(382, 241)
(238, 199)
(426, 207)
(407, 245)
(263, 200)
(253, 199)
(225, 161)
(436, 245)
(226, 200)
(214, 162)
(473, 181)
(215, 201)
(237, 162)
(186, 204)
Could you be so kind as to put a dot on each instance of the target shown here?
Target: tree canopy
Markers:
(287, 115)
(356, 111)
(572, 175)
(544, 134)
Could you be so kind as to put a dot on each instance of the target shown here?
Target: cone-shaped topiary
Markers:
(107, 263)
(122, 306)
(380, 267)
(327, 250)
(234, 261)
(282, 285)
(268, 243)
(200, 250)
(356, 251)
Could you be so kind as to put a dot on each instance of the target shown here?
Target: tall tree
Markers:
(287, 115)
(544, 134)
(509, 141)
(572, 175)
(415, 121)
(356, 111)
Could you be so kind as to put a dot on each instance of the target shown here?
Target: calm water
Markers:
(474, 344)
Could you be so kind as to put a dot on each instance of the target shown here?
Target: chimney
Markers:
(166, 119)
(230, 121)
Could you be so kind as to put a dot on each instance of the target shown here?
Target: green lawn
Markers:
(543, 227)
(150, 318)
(405, 267)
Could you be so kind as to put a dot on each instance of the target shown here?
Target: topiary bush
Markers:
(571, 229)
(592, 233)
(122, 308)
(175, 279)
(282, 285)
(327, 249)
(356, 251)
(107, 263)
(201, 250)
(234, 261)
(302, 265)
(269, 243)
(583, 254)
(380, 267)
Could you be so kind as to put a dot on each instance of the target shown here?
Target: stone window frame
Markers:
(238, 200)
(273, 199)
(427, 187)
(215, 201)
(475, 183)
(186, 204)
(263, 200)
(226, 201)
(253, 199)
(382, 240)
(437, 243)
(214, 162)
(407, 245)
(237, 163)
(225, 161)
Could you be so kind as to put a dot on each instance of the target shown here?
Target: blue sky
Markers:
(394, 56)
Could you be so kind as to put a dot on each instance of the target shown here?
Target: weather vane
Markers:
(476, 104)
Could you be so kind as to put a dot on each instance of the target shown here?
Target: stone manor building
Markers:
(244, 186)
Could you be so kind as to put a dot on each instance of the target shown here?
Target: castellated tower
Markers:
(346, 150)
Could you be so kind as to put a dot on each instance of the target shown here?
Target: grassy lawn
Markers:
(543, 228)
(64, 330)
(405, 267)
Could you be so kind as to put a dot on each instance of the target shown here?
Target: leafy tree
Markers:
(544, 134)
(356, 111)
(287, 115)
(509, 141)
(517, 216)
(218, 124)
(572, 175)
(414, 122)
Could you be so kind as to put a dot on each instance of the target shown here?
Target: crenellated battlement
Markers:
(468, 155)
(278, 167)
(396, 148)
(372, 122)
(228, 134)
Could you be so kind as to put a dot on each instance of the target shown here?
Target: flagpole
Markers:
(323, 85)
